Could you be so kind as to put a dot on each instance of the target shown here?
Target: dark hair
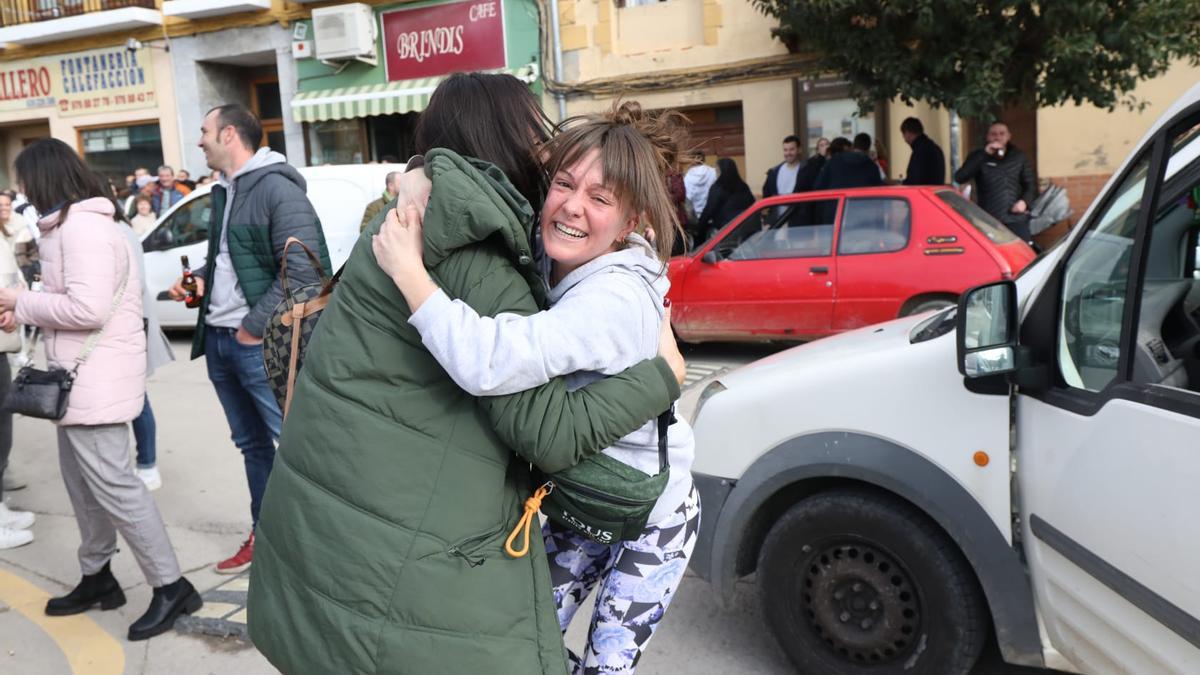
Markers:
(912, 125)
(730, 179)
(493, 117)
(839, 144)
(792, 139)
(55, 177)
(637, 151)
(862, 141)
(244, 122)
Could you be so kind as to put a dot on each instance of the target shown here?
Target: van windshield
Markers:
(978, 218)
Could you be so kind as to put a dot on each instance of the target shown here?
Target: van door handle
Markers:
(819, 269)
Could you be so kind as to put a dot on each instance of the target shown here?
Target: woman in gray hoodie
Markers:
(607, 289)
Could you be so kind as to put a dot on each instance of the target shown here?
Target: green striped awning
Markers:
(379, 99)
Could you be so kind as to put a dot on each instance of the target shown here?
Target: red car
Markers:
(802, 266)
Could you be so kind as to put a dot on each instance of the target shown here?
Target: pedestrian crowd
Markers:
(498, 342)
(1003, 174)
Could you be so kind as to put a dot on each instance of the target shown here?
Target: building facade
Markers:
(365, 108)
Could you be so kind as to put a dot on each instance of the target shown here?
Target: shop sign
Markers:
(26, 84)
(80, 83)
(103, 80)
(455, 36)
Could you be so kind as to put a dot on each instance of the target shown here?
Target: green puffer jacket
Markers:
(380, 548)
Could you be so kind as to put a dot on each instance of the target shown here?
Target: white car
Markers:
(339, 195)
(1026, 465)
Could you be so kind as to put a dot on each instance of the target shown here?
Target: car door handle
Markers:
(819, 269)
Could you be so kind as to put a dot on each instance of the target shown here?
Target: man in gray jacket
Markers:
(258, 204)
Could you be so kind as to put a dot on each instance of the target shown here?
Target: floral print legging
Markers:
(638, 579)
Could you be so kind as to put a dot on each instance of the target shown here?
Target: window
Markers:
(1095, 283)
(1169, 312)
(875, 226)
(800, 230)
(981, 220)
(187, 224)
(115, 152)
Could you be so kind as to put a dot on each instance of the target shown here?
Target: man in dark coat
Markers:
(1004, 182)
(927, 165)
(851, 168)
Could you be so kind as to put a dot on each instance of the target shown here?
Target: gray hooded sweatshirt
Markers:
(604, 318)
(228, 305)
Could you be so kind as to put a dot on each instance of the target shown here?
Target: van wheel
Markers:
(929, 306)
(857, 583)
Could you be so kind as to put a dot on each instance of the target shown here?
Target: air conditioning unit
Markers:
(345, 32)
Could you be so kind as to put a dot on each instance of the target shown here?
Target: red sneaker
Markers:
(240, 562)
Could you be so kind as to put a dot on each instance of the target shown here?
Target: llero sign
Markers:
(455, 36)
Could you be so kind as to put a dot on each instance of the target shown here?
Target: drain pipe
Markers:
(556, 37)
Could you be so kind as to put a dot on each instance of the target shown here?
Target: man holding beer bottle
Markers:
(258, 203)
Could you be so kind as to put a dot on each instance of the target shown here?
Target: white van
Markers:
(1026, 465)
(339, 195)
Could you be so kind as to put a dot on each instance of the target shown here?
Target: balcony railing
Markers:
(17, 12)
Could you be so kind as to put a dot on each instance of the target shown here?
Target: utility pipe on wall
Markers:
(556, 37)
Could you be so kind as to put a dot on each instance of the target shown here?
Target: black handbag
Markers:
(45, 394)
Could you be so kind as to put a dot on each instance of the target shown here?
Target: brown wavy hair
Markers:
(637, 151)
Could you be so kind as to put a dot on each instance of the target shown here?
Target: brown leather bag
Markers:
(291, 326)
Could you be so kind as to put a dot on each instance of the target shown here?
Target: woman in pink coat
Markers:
(92, 283)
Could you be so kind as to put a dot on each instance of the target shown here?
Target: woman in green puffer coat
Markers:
(380, 544)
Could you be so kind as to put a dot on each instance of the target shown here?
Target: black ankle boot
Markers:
(100, 587)
(167, 604)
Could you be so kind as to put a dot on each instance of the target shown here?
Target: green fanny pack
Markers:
(600, 498)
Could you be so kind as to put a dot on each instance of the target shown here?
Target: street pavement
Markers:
(205, 505)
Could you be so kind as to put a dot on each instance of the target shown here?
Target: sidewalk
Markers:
(205, 504)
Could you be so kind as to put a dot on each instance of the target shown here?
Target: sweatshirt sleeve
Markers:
(594, 327)
(549, 426)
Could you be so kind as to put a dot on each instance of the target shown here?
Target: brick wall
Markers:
(1081, 191)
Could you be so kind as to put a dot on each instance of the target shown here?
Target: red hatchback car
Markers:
(797, 267)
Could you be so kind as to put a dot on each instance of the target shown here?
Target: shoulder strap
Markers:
(94, 338)
(664, 423)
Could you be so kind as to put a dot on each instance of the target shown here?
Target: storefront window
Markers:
(114, 152)
(335, 142)
(835, 117)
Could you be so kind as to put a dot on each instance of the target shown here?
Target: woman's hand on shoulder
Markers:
(8, 322)
(398, 248)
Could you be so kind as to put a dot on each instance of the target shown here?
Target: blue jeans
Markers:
(238, 375)
(145, 432)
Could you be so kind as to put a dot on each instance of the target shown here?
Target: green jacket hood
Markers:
(471, 200)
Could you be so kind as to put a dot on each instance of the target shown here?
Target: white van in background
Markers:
(1024, 467)
(339, 194)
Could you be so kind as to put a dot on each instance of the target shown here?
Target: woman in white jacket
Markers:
(607, 287)
(14, 525)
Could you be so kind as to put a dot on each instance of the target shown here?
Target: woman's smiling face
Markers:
(581, 218)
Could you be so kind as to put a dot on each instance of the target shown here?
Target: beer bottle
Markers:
(189, 284)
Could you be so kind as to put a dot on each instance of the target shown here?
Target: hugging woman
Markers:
(381, 539)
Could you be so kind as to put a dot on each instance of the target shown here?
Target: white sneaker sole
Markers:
(232, 570)
(15, 539)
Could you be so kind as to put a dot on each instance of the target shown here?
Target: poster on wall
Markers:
(26, 84)
(455, 36)
(103, 80)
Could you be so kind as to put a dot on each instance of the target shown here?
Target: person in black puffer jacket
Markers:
(849, 168)
(727, 197)
(1004, 182)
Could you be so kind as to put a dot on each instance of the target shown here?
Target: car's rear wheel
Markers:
(932, 305)
(858, 583)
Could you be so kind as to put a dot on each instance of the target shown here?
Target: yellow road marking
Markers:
(89, 650)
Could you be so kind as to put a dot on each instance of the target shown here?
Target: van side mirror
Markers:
(987, 330)
(711, 258)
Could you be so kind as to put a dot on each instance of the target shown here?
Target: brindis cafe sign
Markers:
(451, 37)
